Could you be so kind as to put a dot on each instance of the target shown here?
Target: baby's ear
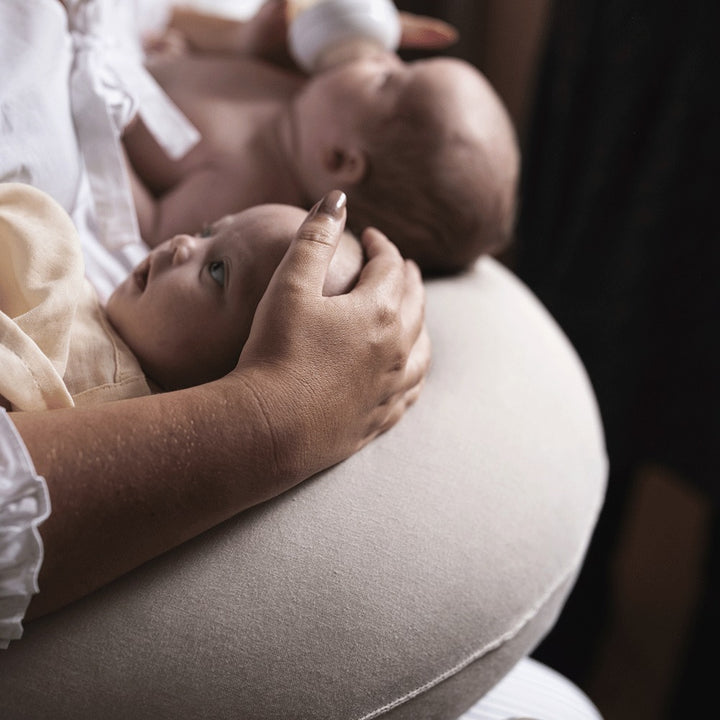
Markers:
(348, 166)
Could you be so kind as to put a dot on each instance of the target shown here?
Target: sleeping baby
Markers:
(181, 317)
(424, 150)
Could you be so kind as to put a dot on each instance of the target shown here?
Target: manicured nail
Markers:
(333, 203)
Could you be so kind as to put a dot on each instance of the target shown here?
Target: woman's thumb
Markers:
(308, 257)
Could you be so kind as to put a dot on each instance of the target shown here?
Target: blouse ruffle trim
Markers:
(24, 504)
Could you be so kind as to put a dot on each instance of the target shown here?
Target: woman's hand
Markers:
(319, 377)
(331, 373)
(426, 33)
(262, 36)
(265, 34)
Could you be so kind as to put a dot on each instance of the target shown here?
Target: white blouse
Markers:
(24, 504)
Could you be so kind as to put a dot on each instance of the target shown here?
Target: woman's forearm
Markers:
(130, 480)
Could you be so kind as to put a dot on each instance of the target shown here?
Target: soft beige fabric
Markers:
(55, 343)
(40, 270)
(403, 583)
(100, 367)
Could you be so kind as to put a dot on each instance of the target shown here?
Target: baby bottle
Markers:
(317, 26)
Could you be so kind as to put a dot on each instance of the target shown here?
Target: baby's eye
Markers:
(217, 272)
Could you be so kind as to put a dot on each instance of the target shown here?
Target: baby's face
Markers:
(186, 310)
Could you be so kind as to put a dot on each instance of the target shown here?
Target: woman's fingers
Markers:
(389, 414)
(387, 275)
(426, 33)
(413, 307)
(410, 378)
(418, 362)
(382, 279)
(306, 261)
(344, 368)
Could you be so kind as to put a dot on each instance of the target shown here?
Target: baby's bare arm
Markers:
(172, 198)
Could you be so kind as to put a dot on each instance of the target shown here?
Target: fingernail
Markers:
(312, 212)
(333, 203)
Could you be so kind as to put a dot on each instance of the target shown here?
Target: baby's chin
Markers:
(345, 266)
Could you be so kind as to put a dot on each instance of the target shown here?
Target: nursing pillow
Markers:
(402, 583)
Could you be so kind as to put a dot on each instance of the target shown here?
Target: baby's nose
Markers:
(182, 248)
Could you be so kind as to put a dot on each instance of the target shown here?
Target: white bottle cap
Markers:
(330, 22)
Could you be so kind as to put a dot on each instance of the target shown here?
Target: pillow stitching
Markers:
(498, 642)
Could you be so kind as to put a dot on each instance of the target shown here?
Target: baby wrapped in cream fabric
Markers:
(56, 346)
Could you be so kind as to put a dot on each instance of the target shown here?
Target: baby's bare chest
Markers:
(228, 100)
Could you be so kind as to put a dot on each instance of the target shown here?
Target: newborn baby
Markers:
(187, 309)
(425, 150)
(180, 318)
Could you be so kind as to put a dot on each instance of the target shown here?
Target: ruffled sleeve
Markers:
(24, 504)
